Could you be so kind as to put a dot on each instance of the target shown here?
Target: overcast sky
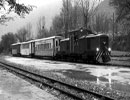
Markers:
(47, 8)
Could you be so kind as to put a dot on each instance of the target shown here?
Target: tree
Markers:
(6, 41)
(41, 30)
(102, 23)
(66, 12)
(22, 34)
(57, 25)
(88, 11)
(29, 31)
(12, 6)
(74, 14)
(122, 9)
(68, 19)
(123, 18)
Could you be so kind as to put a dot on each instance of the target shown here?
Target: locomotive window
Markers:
(88, 44)
(104, 40)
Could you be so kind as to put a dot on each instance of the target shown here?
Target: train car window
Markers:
(25, 46)
(46, 46)
(43, 46)
(50, 45)
(36, 48)
(39, 47)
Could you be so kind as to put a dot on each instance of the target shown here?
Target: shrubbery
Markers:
(121, 43)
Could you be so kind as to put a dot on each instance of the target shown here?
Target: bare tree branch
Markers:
(12, 6)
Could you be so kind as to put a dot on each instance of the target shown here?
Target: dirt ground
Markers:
(15, 88)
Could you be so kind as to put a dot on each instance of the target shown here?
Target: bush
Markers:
(121, 43)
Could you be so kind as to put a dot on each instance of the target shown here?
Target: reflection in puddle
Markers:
(79, 75)
(125, 71)
(53, 62)
(0, 91)
(106, 78)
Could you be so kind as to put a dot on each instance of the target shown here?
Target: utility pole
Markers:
(67, 18)
(113, 25)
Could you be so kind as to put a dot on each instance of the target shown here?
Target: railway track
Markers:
(80, 62)
(67, 89)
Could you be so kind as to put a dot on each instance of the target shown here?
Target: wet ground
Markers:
(113, 77)
(110, 76)
(15, 88)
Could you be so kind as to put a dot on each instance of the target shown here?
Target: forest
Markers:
(73, 15)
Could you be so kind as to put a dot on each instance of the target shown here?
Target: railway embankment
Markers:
(83, 84)
(120, 54)
(119, 58)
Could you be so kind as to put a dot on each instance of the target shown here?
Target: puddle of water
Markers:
(105, 80)
(124, 71)
(79, 75)
(114, 74)
(119, 86)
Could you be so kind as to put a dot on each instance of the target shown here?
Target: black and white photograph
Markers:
(64, 49)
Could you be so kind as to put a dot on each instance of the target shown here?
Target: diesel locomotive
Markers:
(81, 44)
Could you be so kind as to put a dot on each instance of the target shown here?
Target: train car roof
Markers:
(52, 37)
(16, 43)
(27, 42)
(66, 39)
(38, 40)
(93, 35)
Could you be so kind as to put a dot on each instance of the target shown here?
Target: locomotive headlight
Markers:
(81, 30)
(97, 49)
(109, 49)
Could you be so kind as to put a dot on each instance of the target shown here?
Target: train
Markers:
(81, 44)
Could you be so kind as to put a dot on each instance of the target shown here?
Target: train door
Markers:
(72, 43)
(57, 48)
(32, 48)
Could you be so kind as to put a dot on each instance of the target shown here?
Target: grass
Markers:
(120, 54)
